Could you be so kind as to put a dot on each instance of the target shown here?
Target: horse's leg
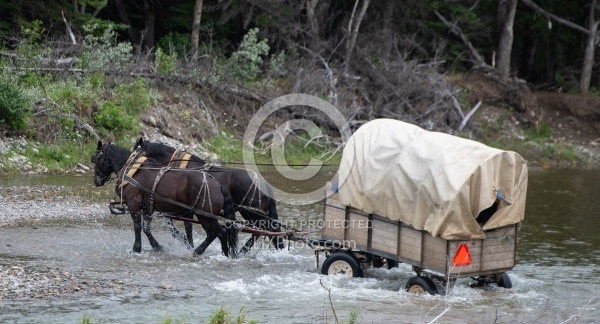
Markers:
(146, 228)
(210, 237)
(222, 235)
(136, 216)
(249, 243)
(189, 234)
(178, 235)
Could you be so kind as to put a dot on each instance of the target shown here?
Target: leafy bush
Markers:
(135, 97)
(176, 43)
(247, 60)
(114, 117)
(276, 64)
(15, 104)
(101, 50)
(30, 45)
(165, 63)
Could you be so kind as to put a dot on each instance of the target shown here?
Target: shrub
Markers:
(224, 316)
(538, 133)
(135, 97)
(15, 104)
(114, 117)
(276, 64)
(101, 50)
(247, 60)
(165, 63)
(176, 43)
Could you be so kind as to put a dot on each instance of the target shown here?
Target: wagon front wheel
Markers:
(341, 263)
(418, 285)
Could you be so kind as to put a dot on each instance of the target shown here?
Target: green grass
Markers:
(60, 156)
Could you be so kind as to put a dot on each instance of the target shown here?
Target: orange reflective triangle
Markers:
(462, 257)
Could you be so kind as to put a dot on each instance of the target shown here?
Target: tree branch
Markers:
(555, 18)
(458, 32)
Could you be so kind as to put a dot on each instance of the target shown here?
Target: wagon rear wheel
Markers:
(342, 263)
(504, 281)
(418, 285)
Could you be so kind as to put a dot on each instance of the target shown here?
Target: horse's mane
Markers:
(153, 148)
(159, 149)
(117, 154)
(120, 153)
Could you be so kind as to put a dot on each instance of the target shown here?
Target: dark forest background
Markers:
(91, 68)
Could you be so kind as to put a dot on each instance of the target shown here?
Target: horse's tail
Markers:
(231, 229)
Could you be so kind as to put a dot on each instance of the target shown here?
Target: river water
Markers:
(555, 280)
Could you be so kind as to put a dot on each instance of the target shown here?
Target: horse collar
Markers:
(133, 164)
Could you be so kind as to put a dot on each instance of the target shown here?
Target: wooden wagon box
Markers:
(381, 236)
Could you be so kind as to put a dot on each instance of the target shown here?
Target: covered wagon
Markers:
(448, 206)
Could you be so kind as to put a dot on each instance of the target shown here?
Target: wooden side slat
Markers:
(385, 236)
(358, 228)
(434, 253)
(410, 244)
(333, 223)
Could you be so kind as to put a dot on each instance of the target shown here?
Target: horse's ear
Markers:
(99, 147)
(140, 142)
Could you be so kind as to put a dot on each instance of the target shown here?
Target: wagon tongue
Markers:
(462, 257)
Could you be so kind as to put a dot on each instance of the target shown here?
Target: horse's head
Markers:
(102, 164)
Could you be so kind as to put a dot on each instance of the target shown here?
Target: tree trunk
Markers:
(312, 20)
(591, 31)
(506, 18)
(196, 27)
(122, 13)
(588, 59)
(353, 30)
(149, 22)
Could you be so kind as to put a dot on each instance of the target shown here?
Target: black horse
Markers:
(250, 193)
(145, 187)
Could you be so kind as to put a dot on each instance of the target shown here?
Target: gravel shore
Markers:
(32, 204)
(31, 207)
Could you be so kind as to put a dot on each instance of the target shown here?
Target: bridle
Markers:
(101, 160)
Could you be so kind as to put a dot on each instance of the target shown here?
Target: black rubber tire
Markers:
(418, 285)
(504, 281)
(342, 263)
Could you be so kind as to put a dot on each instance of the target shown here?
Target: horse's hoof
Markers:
(158, 248)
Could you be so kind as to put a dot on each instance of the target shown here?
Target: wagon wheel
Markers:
(342, 263)
(504, 281)
(418, 285)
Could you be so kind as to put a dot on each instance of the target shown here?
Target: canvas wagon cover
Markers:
(430, 180)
